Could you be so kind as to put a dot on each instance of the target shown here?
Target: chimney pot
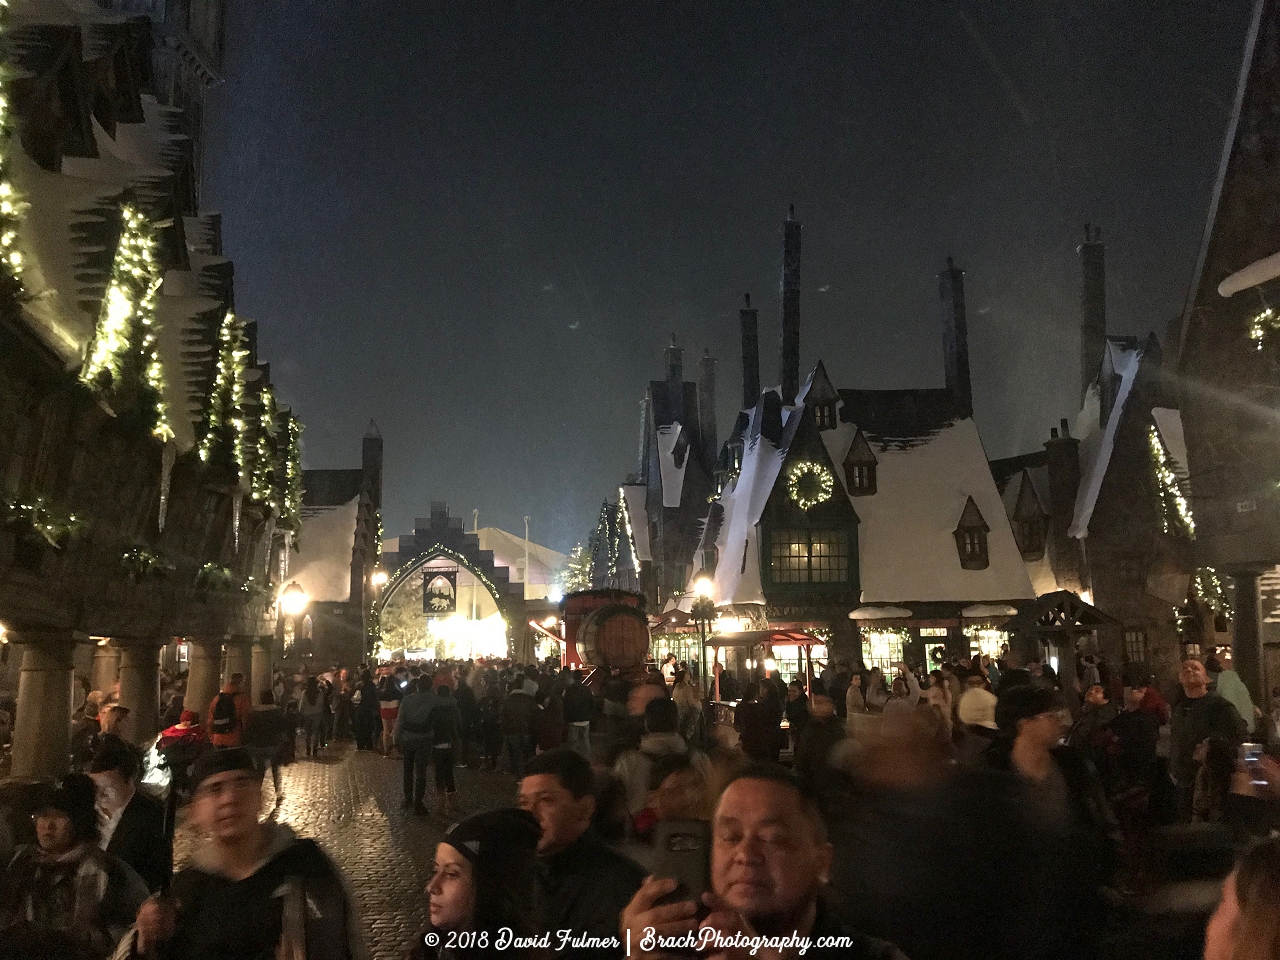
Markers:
(955, 337)
(747, 298)
(749, 318)
(707, 409)
(1093, 307)
(1066, 428)
(789, 349)
(1053, 433)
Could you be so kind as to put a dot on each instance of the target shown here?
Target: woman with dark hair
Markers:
(482, 884)
(1246, 925)
(63, 896)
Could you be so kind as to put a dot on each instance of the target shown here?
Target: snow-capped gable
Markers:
(906, 537)
(632, 501)
(673, 458)
(1097, 440)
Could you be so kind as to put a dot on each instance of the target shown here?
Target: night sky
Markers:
(480, 225)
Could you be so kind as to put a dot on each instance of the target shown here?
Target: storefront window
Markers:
(883, 648)
(985, 640)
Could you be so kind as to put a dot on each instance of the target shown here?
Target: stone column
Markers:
(42, 728)
(204, 665)
(140, 689)
(1246, 642)
(261, 668)
(106, 667)
(237, 660)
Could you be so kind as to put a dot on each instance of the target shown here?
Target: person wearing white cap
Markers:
(977, 713)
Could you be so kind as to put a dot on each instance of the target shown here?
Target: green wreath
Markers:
(809, 484)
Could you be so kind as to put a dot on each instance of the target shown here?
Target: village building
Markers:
(1102, 511)
(867, 517)
(150, 481)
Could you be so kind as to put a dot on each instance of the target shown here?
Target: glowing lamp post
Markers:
(378, 578)
(292, 602)
(704, 611)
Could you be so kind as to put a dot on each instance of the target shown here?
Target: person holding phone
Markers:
(770, 860)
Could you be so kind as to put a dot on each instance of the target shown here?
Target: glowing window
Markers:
(810, 556)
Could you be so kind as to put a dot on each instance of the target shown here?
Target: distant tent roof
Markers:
(1060, 610)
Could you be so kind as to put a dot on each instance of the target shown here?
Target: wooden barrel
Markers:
(614, 636)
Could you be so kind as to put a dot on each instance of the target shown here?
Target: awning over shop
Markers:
(771, 638)
(1057, 612)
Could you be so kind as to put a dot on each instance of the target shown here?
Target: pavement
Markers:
(349, 801)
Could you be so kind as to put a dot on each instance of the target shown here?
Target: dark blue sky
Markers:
(478, 223)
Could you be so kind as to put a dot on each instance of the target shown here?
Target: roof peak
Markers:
(372, 430)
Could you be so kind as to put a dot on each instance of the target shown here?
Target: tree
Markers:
(576, 573)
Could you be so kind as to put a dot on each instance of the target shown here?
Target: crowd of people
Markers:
(986, 809)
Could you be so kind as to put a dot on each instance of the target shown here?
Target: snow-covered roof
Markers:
(1169, 424)
(906, 539)
(322, 565)
(1097, 440)
(673, 459)
(928, 469)
(633, 498)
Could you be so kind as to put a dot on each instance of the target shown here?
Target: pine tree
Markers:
(576, 574)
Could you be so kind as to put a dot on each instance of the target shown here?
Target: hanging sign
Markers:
(440, 592)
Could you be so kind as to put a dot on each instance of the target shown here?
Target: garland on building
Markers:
(809, 484)
(576, 574)
(1175, 511)
(1212, 593)
(11, 204)
(1263, 324)
(55, 525)
(123, 362)
(223, 424)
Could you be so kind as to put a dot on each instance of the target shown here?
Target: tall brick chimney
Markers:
(371, 463)
(749, 317)
(675, 379)
(1063, 455)
(707, 408)
(1093, 306)
(955, 337)
(789, 354)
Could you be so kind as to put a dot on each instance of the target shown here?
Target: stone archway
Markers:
(442, 564)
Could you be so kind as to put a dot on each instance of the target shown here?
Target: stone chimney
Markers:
(749, 317)
(955, 337)
(371, 463)
(675, 362)
(1093, 307)
(1063, 454)
(789, 354)
(707, 408)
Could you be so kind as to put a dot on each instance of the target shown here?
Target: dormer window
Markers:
(860, 468)
(826, 416)
(971, 538)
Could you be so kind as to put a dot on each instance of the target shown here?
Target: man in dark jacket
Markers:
(131, 825)
(255, 889)
(579, 706)
(414, 737)
(1198, 715)
(582, 883)
(519, 723)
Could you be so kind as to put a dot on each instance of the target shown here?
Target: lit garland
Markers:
(223, 422)
(123, 357)
(1175, 511)
(631, 535)
(291, 466)
(1262, 324)
(11, 204)
(1211, 592)
(809, 484)
(263, 484)
(51, 523)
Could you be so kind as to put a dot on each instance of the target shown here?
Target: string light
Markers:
(12, 206)
(123, 360)
(1263, 323)
(809, 484)
(1175, 511)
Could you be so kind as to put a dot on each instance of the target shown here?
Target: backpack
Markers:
(224, 714)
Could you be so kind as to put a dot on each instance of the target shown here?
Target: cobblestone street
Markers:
(350, 802)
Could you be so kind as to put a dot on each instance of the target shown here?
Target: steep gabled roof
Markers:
(931, 466)
(1120, 366)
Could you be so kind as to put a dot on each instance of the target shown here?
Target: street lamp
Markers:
(704, 611)
(378, 578)
(294, 600)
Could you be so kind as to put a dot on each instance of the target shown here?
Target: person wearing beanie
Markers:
(1076, 832)
(62, 894)
(482, 882)
(254, 889)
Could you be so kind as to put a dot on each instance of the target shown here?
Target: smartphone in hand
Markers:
(682, 851)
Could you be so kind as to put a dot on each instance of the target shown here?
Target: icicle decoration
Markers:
(236, 503)
(167, 459)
